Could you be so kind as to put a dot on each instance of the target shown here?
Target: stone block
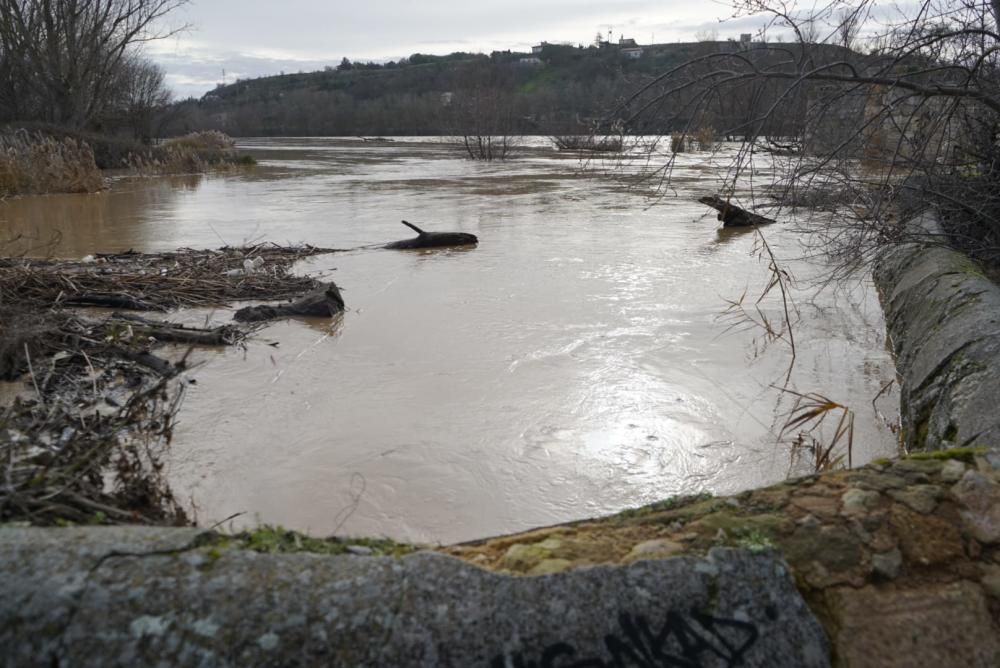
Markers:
(929, 627)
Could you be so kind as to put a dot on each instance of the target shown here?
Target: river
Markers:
(573, 364)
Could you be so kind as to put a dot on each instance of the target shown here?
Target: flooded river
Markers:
(571, 365)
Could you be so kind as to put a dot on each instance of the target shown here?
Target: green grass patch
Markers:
(755, 540)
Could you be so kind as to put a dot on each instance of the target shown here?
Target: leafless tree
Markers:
(912, 122)
(65, 54)
(140, 95)
(849, 22)
(483, 113)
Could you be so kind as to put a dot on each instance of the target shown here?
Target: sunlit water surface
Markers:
(571, 365)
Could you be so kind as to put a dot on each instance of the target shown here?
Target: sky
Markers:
(229, 39)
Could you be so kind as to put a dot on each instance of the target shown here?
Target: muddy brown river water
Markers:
(571, 365)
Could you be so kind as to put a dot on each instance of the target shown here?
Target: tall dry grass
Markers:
(196, 152)
(706, 138)
(32, 163)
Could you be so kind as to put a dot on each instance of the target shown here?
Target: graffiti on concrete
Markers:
(689, 641)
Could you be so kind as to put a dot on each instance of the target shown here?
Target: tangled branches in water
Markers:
(88, 441)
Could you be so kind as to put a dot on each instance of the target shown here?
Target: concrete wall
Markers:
(943, 321)
(140, 596)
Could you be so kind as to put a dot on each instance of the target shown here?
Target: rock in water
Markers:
(433, 239)
(322, 302)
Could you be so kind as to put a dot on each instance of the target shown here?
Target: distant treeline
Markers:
(561, 90)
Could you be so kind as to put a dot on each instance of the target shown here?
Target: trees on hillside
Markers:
(910, 119)
(68, 61)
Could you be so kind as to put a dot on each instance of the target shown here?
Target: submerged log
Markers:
(323, 302)
(433, 239)
(732, 215)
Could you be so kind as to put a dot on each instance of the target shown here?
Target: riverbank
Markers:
(899, 562)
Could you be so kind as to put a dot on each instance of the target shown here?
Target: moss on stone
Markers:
(213, 553)
(274, 539)
(736, 525)
(523, 557)
(672, 503)
(963, 264)
(966, 455)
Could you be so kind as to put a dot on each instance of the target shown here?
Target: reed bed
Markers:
(32, 163)
(197, 152)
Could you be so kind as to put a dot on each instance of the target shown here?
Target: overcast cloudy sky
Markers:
(250, 39)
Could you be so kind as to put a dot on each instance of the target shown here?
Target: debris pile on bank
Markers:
(158, 281)
(86, 444)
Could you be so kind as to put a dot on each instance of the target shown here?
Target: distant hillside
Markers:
(560, 90)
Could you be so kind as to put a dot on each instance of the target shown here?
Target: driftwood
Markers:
(171, 332)
(732, 215)
(322, 302)
(433, 239)
(158, 281)
(112, 301)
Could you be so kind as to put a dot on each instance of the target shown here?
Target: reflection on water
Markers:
(572, 364)
(132, 213)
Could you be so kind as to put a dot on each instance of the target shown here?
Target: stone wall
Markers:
(943, 319)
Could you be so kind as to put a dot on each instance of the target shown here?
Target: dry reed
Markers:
(197, 152)
(34, 164)
(706, 138)
(808, 415)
